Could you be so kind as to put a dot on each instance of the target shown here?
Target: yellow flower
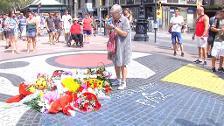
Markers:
(32, 89)
(99, 83)
(41, 83)
(41, 93)
(70, 84)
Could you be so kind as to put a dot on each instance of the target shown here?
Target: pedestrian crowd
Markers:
(208, 35)
(29, 26)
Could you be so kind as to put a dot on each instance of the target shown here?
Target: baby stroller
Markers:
(78, 40)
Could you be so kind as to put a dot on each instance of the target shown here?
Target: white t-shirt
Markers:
(177, 23)
(67, 19)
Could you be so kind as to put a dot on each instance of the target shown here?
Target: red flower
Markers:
(88, 84)
(76, 105)
(108, 89)
(97, 106)
(95, 85)
(75, 97)
(80, 89)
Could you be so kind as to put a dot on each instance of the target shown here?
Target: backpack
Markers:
(211, 34)
(216, 25)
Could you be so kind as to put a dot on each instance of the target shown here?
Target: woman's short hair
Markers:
(116, 8)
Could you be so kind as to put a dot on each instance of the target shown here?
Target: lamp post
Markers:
(75, 8)
(155, 20)
(141, 26)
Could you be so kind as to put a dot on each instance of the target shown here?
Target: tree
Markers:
(6, 5)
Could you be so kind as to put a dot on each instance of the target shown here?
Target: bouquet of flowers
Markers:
(66, 91)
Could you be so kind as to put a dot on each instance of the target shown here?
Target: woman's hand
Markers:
(110, 27)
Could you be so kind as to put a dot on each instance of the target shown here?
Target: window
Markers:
(130, 1)
(191, 1)
(122, 1)
(103, 2)
(94, 3)
(137, 1)
(172, 1)
(111, 2)
(79, 4)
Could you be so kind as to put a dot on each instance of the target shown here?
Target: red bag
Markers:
(111, 44)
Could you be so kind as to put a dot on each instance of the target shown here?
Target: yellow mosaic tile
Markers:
(193, 76)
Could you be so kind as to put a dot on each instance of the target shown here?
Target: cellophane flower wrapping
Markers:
(68, 91)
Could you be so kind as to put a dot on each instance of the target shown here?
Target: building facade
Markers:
(100, 8)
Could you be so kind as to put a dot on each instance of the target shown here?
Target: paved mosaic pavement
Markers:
(148, 101)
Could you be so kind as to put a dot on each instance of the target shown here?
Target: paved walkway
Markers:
(163, 90)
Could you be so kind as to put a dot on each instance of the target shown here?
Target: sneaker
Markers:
(175, 53)
(116, 82)
(197, 61)
(205, 63)
(182, 54)
(122, 86)
(213, 70)
(6, 47)
(209, 56)
(221, 70)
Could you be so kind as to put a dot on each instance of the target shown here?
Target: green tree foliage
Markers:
(6, 5)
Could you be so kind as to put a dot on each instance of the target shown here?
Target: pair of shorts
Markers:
(211, 40)
(31, 33)
(176, 37)
(58, 31)
(51, 30)
(77, 37)
(9, 33)
(201, 41)
(218, 49)
(87, 32)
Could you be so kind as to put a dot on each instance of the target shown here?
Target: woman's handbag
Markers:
(111, 44)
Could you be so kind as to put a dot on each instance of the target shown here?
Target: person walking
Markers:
(50, 25)
(176, 24)
(87, 28)
(66, 24)
(22, 26)
(58, 26)
(120, 26)
(10, 26)
(1, 28)
(6, 30)
(200, 35)
(31, 32)
(212, 34)
(218, 47)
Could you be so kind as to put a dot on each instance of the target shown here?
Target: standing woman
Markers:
(11, 25)
(127, 13)
(31, 30)
(87, 28)
(121, 27)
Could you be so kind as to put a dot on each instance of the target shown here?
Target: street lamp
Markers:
(141, 26)
(75, 8)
